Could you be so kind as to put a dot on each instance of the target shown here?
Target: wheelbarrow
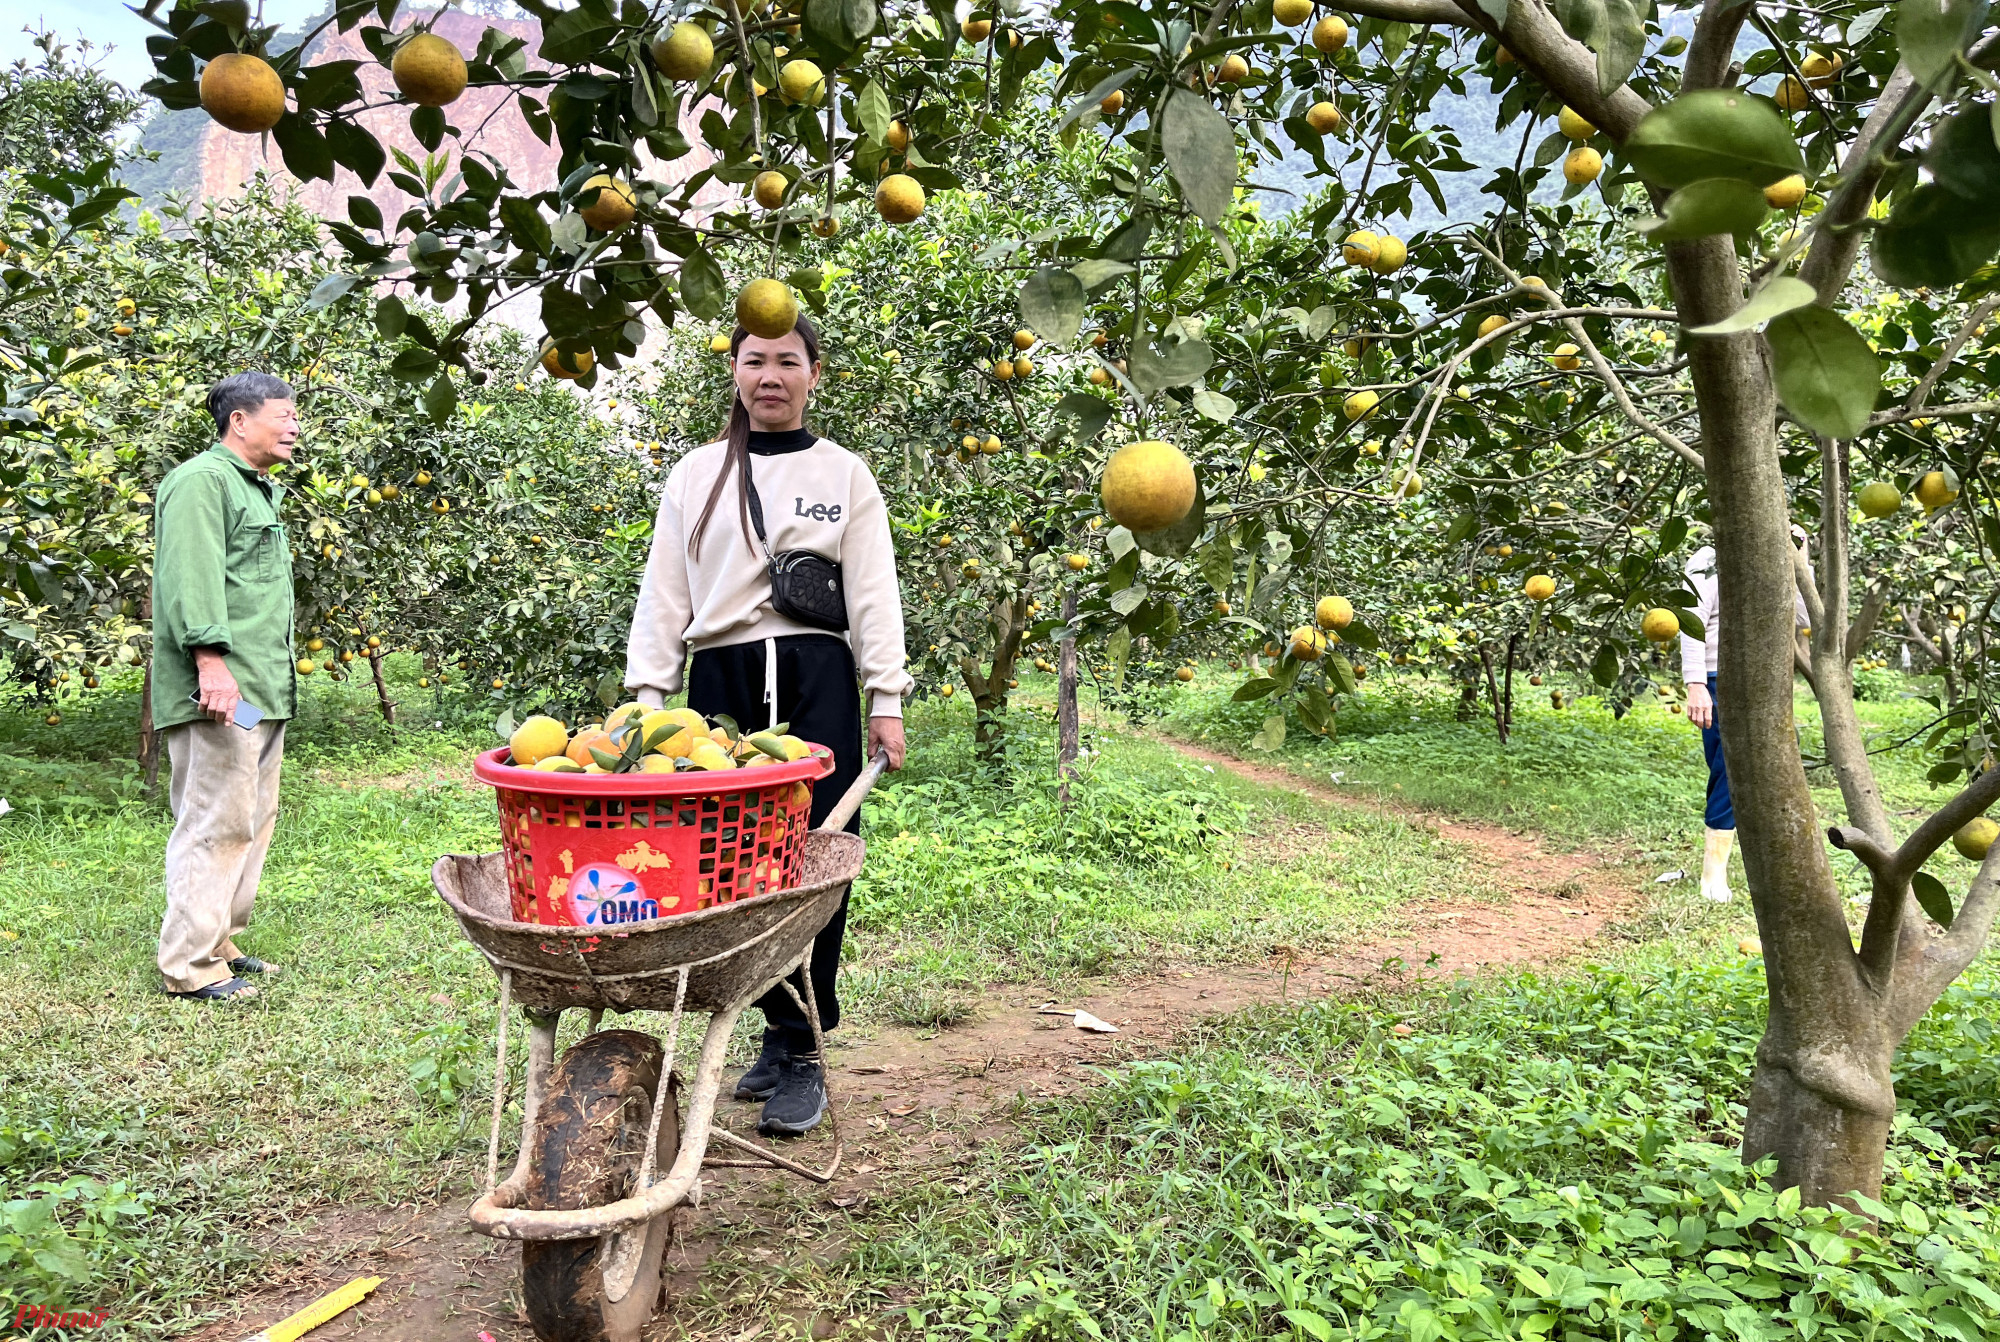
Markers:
(586, 1197)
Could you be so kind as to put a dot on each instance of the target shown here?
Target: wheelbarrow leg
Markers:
(541, 1056)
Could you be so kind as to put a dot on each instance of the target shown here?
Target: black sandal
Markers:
(224, 991)
(250, 964)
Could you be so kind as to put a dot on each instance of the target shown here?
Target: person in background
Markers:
(1698, 665)
(706, 597)
(222, 637)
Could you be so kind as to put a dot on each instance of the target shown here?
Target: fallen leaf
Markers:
(847, 1200)
(875, 1069)
(903, 1109)
(1086, 1021)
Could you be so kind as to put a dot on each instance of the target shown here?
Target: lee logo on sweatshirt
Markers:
(819, 512)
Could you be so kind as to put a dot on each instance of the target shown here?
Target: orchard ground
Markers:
(1407, 1025)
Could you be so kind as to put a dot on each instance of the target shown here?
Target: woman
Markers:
(1698, 665)
(707, 594)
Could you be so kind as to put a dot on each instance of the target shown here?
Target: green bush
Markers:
(1542, 1159)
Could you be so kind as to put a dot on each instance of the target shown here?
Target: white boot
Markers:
(1715, 864)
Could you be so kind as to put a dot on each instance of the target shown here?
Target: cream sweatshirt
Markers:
(824, 499)
(1698, 654)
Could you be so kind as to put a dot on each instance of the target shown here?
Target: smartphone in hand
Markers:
(247, 716)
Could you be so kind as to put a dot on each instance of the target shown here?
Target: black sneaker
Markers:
(761, 1081)
(799, 1102)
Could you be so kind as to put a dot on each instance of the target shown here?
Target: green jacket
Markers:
(222, 578)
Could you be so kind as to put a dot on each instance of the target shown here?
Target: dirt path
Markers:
(918, 1105)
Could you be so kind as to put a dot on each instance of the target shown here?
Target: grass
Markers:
(1530, 1158)
(1579, 774)
(1535, 1157)
(148, 1151)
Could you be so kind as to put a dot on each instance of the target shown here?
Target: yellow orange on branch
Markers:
(1148, 485)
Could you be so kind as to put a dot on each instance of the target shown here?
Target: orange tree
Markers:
(1719, 203)
(457, 538)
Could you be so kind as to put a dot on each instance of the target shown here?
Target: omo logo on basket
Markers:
(604, 895)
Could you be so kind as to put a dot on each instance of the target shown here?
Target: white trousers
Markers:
(224, 796)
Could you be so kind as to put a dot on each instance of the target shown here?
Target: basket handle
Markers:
(850, 801)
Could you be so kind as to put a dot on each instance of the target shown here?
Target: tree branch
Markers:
(1564, 65)
(1416, 13)
(1972, 322)
(1971, 801)
(1874, 856)
(1873, 602)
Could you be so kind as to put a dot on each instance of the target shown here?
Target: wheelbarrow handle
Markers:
(850, 801)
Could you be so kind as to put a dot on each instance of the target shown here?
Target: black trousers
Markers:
(819, 695)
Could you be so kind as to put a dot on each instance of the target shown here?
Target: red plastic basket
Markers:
(601, 850)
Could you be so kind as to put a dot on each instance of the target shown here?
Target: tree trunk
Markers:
(1493, 691)
(149, 740)
(1828, 1144)
(382, 698)
(1009, 617)
(1066, 717)
(1820, 1099)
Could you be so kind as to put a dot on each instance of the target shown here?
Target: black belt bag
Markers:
(805, 586)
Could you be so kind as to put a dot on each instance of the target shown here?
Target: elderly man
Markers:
(223, 684)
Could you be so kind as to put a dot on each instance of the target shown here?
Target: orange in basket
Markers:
(603, 850)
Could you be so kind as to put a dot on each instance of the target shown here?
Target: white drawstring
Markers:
(771, 680)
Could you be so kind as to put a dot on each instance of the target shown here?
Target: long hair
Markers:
(737, 457)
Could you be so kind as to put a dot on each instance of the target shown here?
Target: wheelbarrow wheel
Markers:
(590, 1137)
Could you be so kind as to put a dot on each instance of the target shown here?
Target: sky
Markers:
(108, 23)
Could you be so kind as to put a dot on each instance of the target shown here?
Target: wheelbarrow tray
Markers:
(730, 950)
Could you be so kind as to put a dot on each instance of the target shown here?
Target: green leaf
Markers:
(1105, 87)
(1255, 688)
(356, 150)
(1091, 413)
(1179, 365)
(1118, 648)
(1604, 667)
(1930, 34)
(1306, 1320)
(1932, 897)
(390, 316)
(1825, 372)
(1705, 207)
(1713, 133)
(1614, 29)
(704, 291)
(1933, 240)
(306, 152)
(1052, 304)
(441, 399)
(329, 290)
(1783, 294)
(1201, 149)
(1218, 564)
(871, 108)
(1271, 735)
(1963, 158)
(1097, 271)
(1214, 405)
(1340, 674)
(1178, 539)
(1461, 526)
(526, 226)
